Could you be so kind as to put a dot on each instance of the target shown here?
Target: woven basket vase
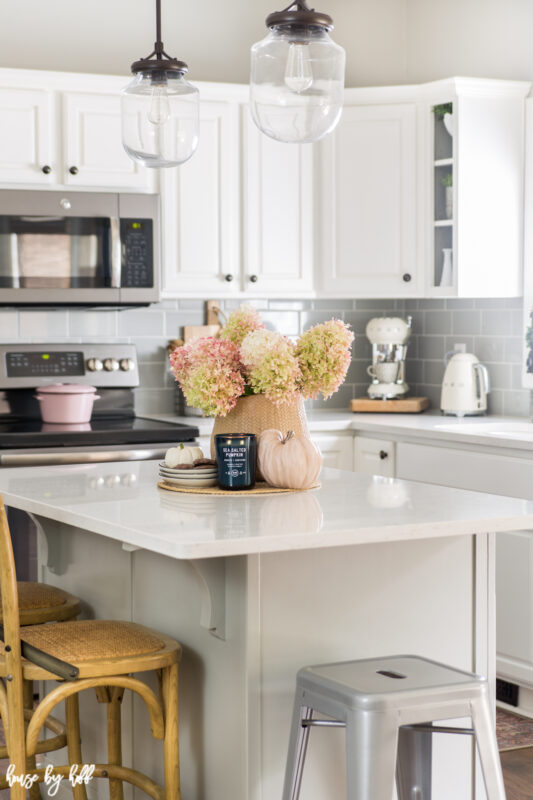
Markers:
(256, 414)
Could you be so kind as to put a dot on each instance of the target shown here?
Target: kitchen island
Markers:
(255, 587)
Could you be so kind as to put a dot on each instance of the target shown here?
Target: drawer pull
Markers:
(383, 454)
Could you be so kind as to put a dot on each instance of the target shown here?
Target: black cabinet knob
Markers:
(47, 170)
(228, 277)
(73, 170)
(383, 454)
(253, 279)
(406, 277)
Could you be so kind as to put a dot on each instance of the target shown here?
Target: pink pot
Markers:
(66, 403)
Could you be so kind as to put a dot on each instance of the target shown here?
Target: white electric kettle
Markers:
(465, 386)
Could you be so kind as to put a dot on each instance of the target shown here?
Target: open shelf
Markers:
(441, 223)
(443, 162)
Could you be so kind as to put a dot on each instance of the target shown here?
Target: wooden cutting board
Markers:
(408, 405)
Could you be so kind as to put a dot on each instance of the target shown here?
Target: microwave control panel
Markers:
(136, 236)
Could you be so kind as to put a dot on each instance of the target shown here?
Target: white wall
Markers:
(212, 36)
(475, 38)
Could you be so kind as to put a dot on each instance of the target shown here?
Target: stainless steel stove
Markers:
(114, 433)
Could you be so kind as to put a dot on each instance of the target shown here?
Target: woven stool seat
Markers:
(95, 646)
(39, 603)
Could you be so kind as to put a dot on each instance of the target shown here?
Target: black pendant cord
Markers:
(159, 60)
(52, 664)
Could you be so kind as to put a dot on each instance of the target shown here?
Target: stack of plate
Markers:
(198, 478)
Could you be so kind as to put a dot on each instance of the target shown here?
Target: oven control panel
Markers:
(104, 366)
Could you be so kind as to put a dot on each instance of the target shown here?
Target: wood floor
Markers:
(518, 773)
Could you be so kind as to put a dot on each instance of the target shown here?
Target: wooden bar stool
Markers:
(387, 706)
(88, 654)
(39, 603)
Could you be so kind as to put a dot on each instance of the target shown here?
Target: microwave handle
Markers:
(116, 259)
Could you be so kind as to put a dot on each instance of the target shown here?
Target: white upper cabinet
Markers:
(93, 154)
(367, 203)
(238, 216)
(200, 209)
(474, 187)
(27, 147)
(61, 129)
(277, 214)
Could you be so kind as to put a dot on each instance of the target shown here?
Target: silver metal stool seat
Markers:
(387, 706)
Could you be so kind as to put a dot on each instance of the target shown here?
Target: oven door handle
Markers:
(116, 253)
(34, 459)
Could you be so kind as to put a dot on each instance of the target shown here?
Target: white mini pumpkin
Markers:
(182, 455)
(288, 462)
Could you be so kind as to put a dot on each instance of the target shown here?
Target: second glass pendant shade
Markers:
(297, 77)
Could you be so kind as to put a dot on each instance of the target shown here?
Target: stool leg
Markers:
(171, 743)
(299, 737)
(31, 765)
(488, 749)
(413, 767)
(114, 738)
(72, 716)
(371, 748)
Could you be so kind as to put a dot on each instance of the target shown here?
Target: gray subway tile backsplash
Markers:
(490, 329)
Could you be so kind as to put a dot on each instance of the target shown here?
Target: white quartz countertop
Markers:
(429, 425)
(122, 501)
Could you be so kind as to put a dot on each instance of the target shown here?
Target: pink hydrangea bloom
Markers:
(208, 371)
(241, 322)
(324, 354)
(271, 366)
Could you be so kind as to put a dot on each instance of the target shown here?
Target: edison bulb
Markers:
(298, 72)
(160, 107)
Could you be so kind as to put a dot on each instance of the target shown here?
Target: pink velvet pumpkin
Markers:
(288, 462)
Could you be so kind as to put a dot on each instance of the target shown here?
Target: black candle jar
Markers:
(236, 458)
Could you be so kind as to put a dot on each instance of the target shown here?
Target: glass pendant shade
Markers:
(160, 118)
(297, 83)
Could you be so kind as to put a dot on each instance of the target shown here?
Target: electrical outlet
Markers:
(459, 347)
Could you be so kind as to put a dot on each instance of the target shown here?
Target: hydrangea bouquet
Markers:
(247, 359)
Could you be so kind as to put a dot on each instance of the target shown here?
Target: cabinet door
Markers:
(200, 208)
(26, 139)
(374, 456)
(337, 451)
(92, 139)
(368, 203)
(278, 214)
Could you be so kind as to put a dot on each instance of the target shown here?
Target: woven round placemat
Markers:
(259, 488)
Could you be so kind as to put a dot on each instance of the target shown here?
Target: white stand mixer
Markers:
(388, 337)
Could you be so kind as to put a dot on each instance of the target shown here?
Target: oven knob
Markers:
(94, 365)
(127, 364)
(111, 364)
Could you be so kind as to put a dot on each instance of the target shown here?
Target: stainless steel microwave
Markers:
(78, 248)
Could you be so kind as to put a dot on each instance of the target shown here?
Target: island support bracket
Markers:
(211, 573)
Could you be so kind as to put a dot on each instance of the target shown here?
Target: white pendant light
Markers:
(297, 76)
(160, 109)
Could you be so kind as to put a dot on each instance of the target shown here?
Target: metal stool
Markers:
(387, 706)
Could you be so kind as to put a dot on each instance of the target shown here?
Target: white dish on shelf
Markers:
(448, 122)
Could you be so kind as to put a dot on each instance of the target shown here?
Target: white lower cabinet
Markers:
(337, 450)
(374, 456)
(497, 474)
